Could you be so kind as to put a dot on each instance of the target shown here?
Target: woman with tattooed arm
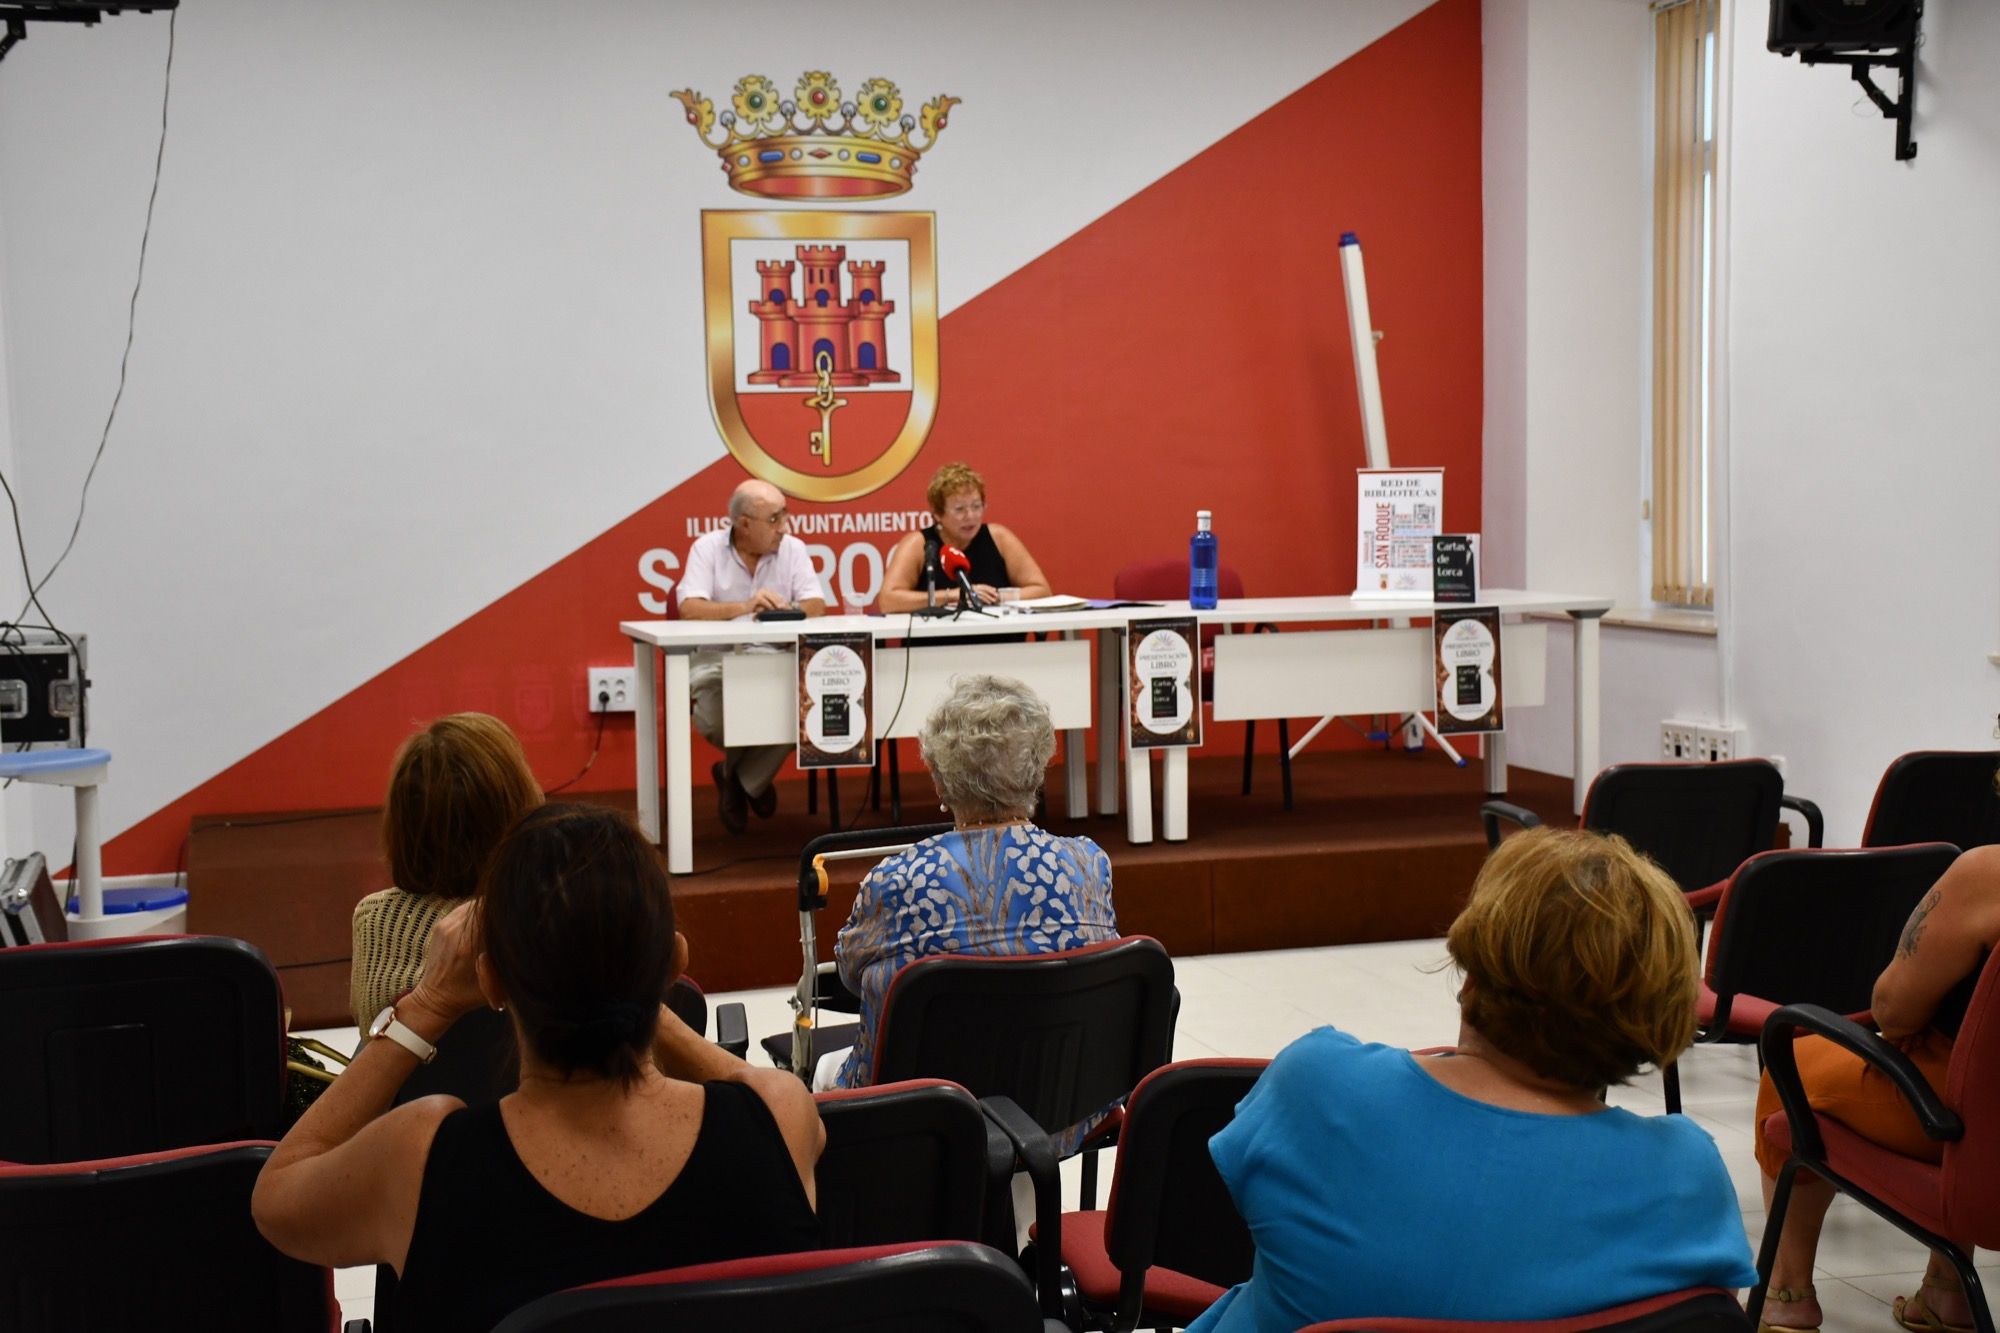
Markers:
(1919, 1001)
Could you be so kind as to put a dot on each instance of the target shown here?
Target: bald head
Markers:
(754, 497)
(756, 518)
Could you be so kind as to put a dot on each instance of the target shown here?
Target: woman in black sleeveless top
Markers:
(957, 500)
(631, 1144)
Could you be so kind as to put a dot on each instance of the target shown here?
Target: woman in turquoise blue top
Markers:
(994, 885)
(1493, 1183)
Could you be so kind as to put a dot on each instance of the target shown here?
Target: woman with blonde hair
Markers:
(957, 500)
(1492, 1182)
(455, 789)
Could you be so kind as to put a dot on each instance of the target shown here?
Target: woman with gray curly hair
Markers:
(996, 884)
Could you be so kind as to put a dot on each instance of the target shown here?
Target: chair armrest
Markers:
(1037, 1156)
(1815, 822)
(732, 1029)
(357, 1326)
(1775, 1045)
(1492, 812)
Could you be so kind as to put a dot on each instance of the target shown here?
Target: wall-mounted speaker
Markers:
(1842, 25)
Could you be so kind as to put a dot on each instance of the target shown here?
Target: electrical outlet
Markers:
(611, 690)
(1702, 742)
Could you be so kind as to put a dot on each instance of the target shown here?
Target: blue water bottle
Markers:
(1201, 564)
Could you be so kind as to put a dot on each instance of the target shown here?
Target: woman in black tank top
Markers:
(631, 1144)
(999, 559)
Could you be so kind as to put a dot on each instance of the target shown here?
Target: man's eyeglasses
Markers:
(772, 520)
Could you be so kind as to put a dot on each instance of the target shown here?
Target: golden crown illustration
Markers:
(813, 145)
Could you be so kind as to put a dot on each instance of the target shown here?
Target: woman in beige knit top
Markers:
(456, 788)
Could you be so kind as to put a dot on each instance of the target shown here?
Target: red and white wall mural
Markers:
(1136, 312)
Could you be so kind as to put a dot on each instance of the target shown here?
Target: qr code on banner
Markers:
(1424, 516)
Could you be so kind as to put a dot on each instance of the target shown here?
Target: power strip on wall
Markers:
(1702, 742)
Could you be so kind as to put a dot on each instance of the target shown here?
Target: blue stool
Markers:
(83, 770)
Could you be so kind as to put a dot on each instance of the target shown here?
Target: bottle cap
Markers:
(1201, 520)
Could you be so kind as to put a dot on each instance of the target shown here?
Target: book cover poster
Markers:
(834, 727)
(1455, 567)
(1165, 683)
(1468, 670)
(1399, 511)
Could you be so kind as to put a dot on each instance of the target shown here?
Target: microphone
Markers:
(933, 542)
(959, 569)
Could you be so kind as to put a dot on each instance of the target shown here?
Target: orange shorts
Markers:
(1841, 1086)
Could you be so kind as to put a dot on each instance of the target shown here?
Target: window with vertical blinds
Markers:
(1684, 57)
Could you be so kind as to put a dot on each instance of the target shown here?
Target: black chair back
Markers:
(689, 1003)
(118, 1047)
(476, 1062)
(1937, 796)
(1817, 927)
(1698, 821)
(903, 1162)
(157, 1241)
(1169, 1206)
(950, 1288)
(1062, 1034)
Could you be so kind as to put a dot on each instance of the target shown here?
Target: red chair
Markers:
(1697, 821)
(1806, 927)
(1951, 1205)
(1170, 1241)
(114, 1047)
(1695, 1310)
(909, 1161)
(1167, 581)
(950, 1288)
(157, 1240)
(1936, 796)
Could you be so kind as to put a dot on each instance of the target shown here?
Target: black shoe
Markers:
(765, 803)
(731, 805)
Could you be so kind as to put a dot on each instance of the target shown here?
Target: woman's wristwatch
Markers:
(386, 1024)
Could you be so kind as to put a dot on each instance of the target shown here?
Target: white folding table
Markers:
(760, 690)
(1362, 671)
(1377, 667)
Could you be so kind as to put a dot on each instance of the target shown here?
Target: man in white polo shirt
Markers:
(752, 565)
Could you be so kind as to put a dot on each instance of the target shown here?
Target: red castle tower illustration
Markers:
(797, 330)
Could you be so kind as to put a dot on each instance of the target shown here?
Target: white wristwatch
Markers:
(386, 1024)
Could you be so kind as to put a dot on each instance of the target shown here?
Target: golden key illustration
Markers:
(823, 402)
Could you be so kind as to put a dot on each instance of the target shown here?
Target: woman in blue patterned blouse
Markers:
(994, 885)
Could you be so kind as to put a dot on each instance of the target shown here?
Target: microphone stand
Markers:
(931, 610)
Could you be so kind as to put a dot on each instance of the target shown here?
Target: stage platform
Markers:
(1380, 846)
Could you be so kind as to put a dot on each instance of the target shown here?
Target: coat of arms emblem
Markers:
(821, 325)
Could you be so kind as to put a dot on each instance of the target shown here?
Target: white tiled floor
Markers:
(1253, 1004)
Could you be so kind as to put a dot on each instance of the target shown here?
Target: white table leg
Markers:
(646, 738)
(1585, 628)
(1138, 763)
(680, 747)
(1076, 776)
(1174, 795)
(1110, 727)
(1493, 753)
(89, 858)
